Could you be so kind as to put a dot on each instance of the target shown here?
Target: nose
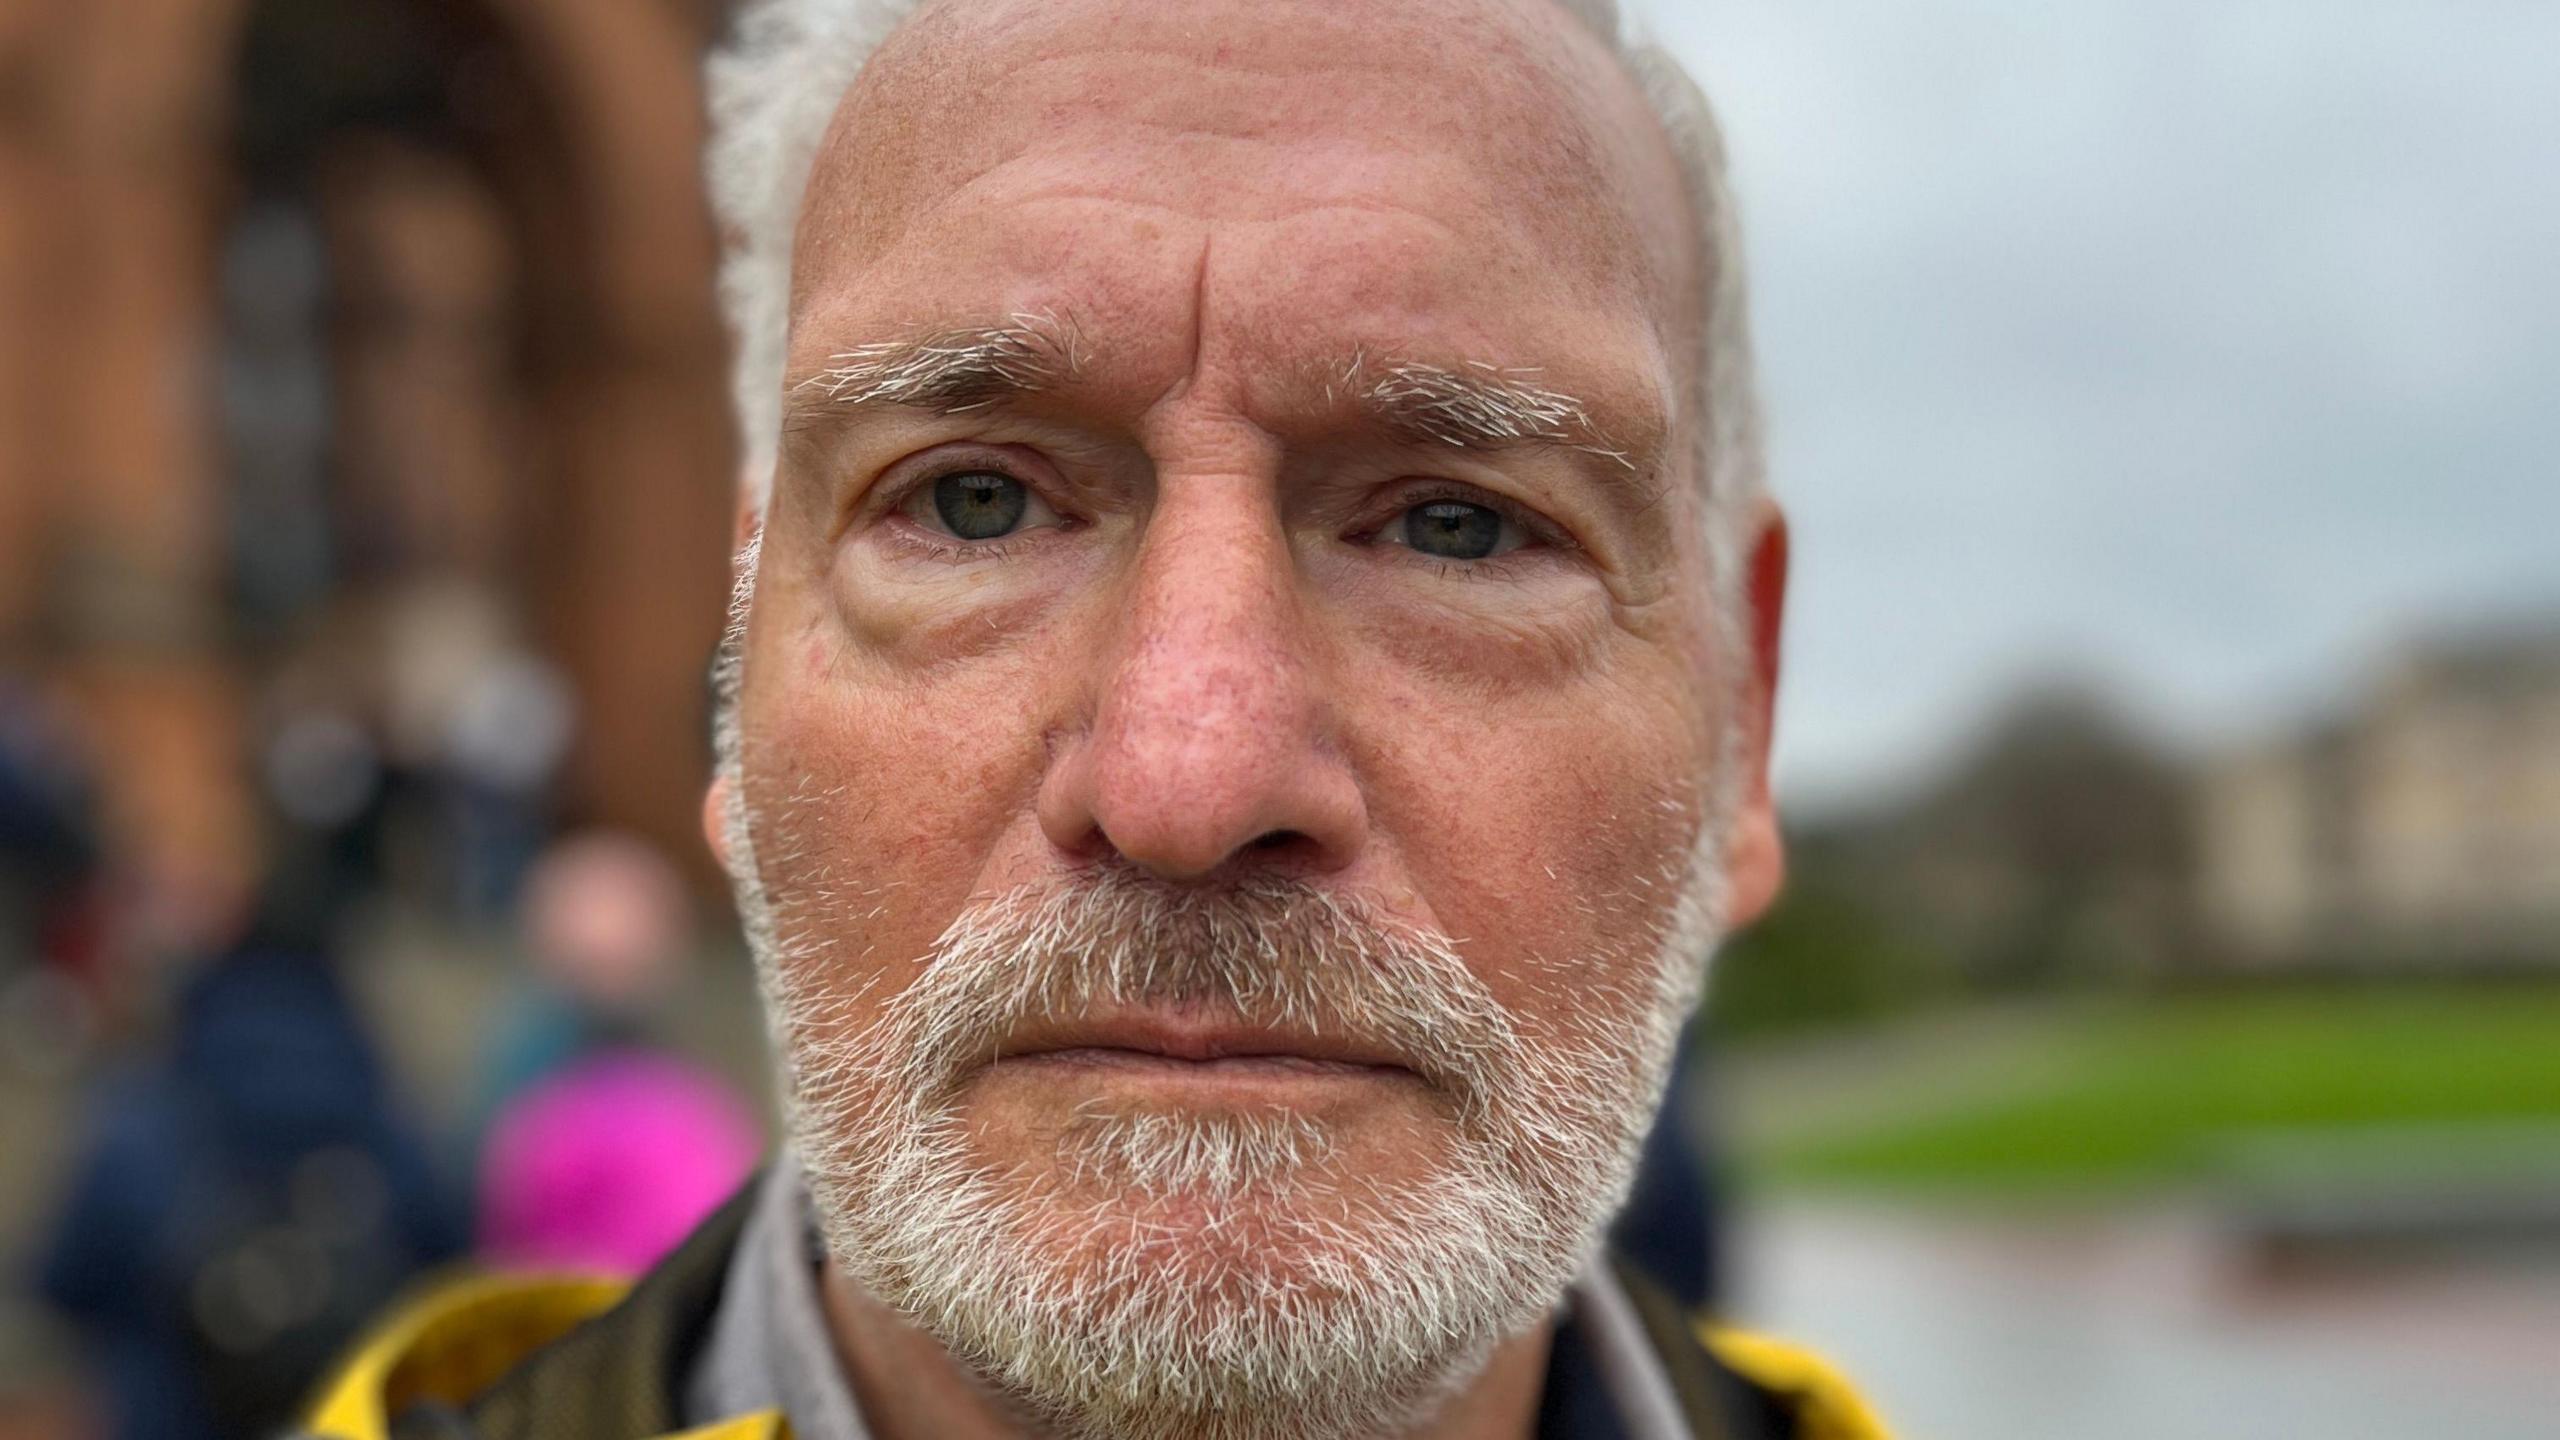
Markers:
(1210, 742)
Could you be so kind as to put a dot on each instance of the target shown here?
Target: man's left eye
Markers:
(979, 505)
(1456, 530)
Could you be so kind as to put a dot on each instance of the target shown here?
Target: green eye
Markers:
(1453, 530)
(980, 504)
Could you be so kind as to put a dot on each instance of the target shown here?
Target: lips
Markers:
(1210, 1043)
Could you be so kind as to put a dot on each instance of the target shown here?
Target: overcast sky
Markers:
(2202, 347)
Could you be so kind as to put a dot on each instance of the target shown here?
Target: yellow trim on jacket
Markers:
(1827, 1406)
(461, 1337)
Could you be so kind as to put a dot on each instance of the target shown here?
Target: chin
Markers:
(1199, 1276)
(1227, 1210)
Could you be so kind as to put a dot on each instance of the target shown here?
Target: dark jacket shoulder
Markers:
(522, 1365)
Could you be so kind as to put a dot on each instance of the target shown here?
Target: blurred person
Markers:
(244, 1201)
(605, 1166)
(600, 1149)
(53, 930)
(476, 726)
(250, 1193)
(604, 924)
(46, 836)
(1246, 711)
(509, 732)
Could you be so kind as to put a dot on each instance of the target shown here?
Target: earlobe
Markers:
(1755, 851)
(715, 820)
(1755, 864)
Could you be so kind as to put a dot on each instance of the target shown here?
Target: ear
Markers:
(715, 797)
(1755, 852)
(715, 820)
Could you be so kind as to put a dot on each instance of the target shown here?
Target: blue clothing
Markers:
(1670, 1226)
(268, 1124)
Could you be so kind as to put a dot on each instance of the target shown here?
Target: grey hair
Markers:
(1487, 407)
(954, 371)
(774, 87)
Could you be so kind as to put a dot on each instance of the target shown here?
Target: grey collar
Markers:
(769, 1348)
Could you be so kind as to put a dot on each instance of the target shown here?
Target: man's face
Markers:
(1233, 695)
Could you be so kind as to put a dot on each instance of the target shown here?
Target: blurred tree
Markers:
(1826, 955)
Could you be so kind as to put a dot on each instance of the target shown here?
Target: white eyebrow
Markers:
(1476, 406)
(949, 371)
(1479, 407)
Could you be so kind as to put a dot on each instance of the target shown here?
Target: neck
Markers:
(909, 1388)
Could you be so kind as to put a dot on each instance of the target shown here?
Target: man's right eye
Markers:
(980, 505)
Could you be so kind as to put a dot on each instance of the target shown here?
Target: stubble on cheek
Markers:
(1576, 886)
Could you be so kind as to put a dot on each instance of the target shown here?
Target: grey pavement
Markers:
(2137, 1325)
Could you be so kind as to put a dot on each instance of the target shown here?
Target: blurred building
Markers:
(326, 325)
(2419, 828)
(2415, 830)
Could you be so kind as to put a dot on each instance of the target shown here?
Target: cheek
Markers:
(879, 802)
(1552, 842)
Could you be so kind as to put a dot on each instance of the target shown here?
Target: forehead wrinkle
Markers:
(1273, 211)
(962, 91)
(1225, 60)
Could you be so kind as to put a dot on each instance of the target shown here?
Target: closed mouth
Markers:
(1194, 1047)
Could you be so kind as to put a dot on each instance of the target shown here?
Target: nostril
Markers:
(1286, 852)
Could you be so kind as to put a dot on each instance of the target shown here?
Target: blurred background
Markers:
(2162, 1031)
